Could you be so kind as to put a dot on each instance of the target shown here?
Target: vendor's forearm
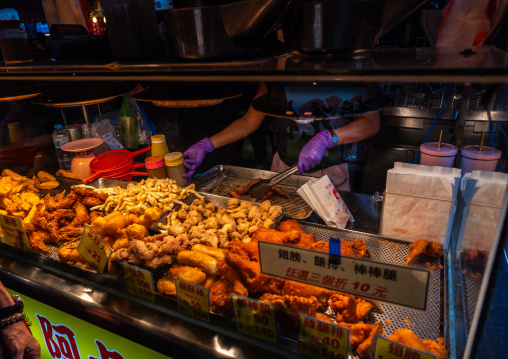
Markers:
(364, 127)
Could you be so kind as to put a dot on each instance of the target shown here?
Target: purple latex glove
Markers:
(314, 150)
(195, 154)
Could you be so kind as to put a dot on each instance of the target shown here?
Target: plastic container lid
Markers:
(431, 149)
(158, 138)
(173, 159)
(486, 154)
(58, 126)
(154, 162)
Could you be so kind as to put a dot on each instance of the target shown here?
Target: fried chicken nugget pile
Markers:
(61, 218)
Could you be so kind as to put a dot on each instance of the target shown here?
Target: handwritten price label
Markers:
(255, 318)
(93, 249)
(139, 282)
(323, 340)
(192, 300)
(386, 349)
(14, 234)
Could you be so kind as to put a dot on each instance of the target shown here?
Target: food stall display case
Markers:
(159, 328)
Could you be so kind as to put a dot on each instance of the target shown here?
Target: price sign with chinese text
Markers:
(386, 349)
(192, 300)
(14, 234)
(367, 278)
(93, 249)
(255, 319)
(139, 282)
(321, 340)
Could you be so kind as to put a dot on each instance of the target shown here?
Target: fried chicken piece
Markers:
(306, 239)
(81, 217)
(265, 196)
(433, 249)
(289, 307)
(191, 275)
(251, 273)
(475, 257)
(409, 338)
(95, 214)
(83, 192)
(235, 195)
(307, 291)
(38, 240)
(166, 285)
(362, 336)
(92, 201)
(69, 253)
(45, 177)
(220, 297)
(280, 191)
(234, 278)
(209, 281)
(245, 189)
(66, 174)
(348, 308)
(357, 248)
(250, 248)
(60, 201)
(323, 317)
(274, 236)
(436, 347)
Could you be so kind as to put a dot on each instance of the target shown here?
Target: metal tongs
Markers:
(257, 190)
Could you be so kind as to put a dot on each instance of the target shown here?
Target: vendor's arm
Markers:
(239, 129)
(312, 153)
(363, 127)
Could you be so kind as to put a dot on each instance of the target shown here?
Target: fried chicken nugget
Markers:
(192, 258)
(191, 275)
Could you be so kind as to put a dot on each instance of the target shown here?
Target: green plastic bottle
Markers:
(128, 125)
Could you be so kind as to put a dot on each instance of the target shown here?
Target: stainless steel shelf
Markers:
(482, 64)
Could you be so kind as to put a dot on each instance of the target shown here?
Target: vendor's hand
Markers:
(314, 150)
(19, 342)
(195, 154)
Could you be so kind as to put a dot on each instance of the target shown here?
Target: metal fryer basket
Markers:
(221, 179)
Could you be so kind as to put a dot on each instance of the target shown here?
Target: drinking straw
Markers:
(440, 138)
(481, 143)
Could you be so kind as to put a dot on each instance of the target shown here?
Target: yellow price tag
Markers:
(139, 282)
(255, 318)
(93, 249)
(319, 339)
(192, 300)
(386, 349)
(14, 233)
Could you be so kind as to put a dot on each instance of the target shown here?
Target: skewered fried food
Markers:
(433, 249)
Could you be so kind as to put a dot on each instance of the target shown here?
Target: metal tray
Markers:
(218, 201)
(221, 179)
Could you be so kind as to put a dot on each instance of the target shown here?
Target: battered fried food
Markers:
(192, 258)
(245, 189)
(92, 201)
(47, 185)
(307, 291)
(362, 336)
(433, 249)
(289, 307)
(69, 253)
(45, 177)
(274, 236)
(191, 275)
(409, 338)
(217, 253)
(234, 278)
(166, 285)
(235, 195)
(348, 308)
(220, 297)
(66, 174)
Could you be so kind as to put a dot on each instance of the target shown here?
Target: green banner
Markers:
(64, 336)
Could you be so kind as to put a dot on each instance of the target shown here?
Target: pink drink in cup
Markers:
(472, 159)
(432, 155)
